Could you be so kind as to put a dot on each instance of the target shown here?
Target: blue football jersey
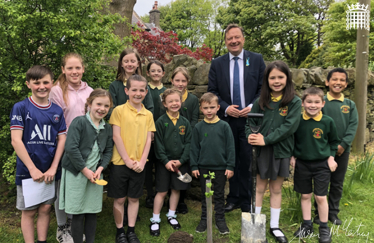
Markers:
(41, 125)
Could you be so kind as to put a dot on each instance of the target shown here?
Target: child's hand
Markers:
(256, 139)
(177, 163)
(130, 164)
(340, 151)
(49, 175)
(332, 164)
(37, 175)
(152, 136)
(89, 174)
(229, 173)
(169, 166)
(97, 173)
(138, 167)
(293, 162)
(195, 173)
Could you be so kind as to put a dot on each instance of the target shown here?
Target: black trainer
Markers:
(324, 235)
(201, 227)
(222, 227)
(334, 219)
(121, 238)
(304, 230)
(182, 208)
(132, 238)
(149, 202)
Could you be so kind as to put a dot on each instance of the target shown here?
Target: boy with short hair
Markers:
(212, 149)
(132, 128)
(38, 133)
(344, 113)
(316, 142)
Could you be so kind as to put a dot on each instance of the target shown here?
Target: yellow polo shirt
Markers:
(134, 129)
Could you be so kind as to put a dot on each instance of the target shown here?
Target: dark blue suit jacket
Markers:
(219, 80)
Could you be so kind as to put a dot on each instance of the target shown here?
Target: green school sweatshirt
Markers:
(190, 109)
(316, 140)
(172, 142)
(212, 146)
(278, 126)
(345, 117)
(159, 108)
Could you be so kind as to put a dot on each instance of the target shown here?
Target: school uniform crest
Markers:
(182, 130)
(283, 111)
(317, 133)
(345, 109)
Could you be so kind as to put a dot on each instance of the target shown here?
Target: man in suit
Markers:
(236, 78)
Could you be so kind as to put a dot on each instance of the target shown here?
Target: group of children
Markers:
(159, 125)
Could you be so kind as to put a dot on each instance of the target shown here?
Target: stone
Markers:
(201, 89)
(317, 76)
(179, 60)
(371, 78)
(201, 75)
(298, 77)
(253, 228)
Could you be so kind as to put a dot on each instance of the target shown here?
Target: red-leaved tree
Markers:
(162, 46)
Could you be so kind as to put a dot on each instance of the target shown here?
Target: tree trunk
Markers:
(125, 8)
(362, 58)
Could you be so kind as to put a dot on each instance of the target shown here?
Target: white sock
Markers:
(155, 217)
(170, 214)
(258, 210)
(274, 221)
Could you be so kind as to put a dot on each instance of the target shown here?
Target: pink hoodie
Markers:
(77, 100)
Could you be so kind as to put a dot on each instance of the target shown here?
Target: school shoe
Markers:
(304, 230)
(334, 219)
(149, 202)
(201, 228)
(182, 208)
(324, 235)
(230, 206)
(132, 238)
(155, 232)
(176, 226)
(316, 220)
(121, 238)
(281, 239)
(222, 227)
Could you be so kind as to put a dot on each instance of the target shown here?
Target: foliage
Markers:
(315, 58)
(341, 51)
(294, 207)
(190, 19)
(277, 29)
(163, 46)
(40, 32)
(210, 176)
(9, 169)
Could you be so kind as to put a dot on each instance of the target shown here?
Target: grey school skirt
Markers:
(270, 168)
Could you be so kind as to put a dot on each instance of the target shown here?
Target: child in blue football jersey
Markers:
(38, 133)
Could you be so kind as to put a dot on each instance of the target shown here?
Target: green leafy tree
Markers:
(341, 51)
(42, 31)
(190, 19)
(277, 29)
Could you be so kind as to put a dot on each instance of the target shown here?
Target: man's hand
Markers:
(229, 174)
(245, 111)
(332, 164)
(256, 139)
(233, 111)
(196, 173)
(293, 162)
(340, 151)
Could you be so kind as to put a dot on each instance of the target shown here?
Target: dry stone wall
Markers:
(303, 78)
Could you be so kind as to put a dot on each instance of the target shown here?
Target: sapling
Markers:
(208, 195)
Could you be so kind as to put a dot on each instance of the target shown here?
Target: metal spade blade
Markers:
(186, 178)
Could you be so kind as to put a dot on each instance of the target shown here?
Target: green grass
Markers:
(356, 212)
